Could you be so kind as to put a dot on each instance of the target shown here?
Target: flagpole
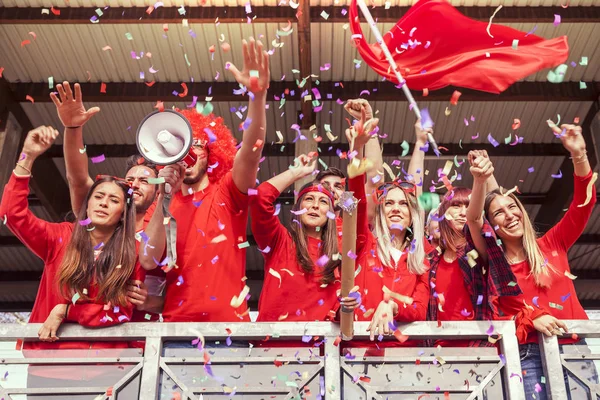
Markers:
(390, 58)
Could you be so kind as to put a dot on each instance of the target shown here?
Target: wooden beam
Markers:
(562, 189)
(304, 55)
(331, 149)
(330, 91)
(208, 15)
(47, 182)
(16, 306)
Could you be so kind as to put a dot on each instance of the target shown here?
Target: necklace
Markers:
(512, 261)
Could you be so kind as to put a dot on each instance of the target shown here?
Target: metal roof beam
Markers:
(329, 90)
(209, 15)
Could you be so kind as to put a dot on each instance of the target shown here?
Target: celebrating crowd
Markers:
(475, 257)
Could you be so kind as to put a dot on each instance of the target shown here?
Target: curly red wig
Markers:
(221, 143)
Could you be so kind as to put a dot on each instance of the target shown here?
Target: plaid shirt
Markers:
(482, 284)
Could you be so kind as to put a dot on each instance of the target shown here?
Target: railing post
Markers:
(151, 368)
(552, 366)
(509, 346)
(333, 383)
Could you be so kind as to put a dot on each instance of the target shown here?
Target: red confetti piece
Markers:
(55, 11)
(1, 71)
(29, 98)
(425, 92)
(19, 345)
(206, 357)
(25, 42)
(277, 363)
(423, 396)
(109, 391)
(337, 341)
(574, 337)
(455, 96)
(150, 84)
(176, 396)
(185, 90)
(516, 124)
(103, 87)
(259, 143)
(160, 106)
(211, 49)
(575, 121)
(398, 335)
(149, 10)
(365, 379)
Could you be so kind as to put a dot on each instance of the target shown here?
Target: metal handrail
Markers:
(334, 365)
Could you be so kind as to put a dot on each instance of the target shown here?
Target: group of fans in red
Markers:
(475, 257)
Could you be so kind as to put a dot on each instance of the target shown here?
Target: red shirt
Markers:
(451, 285)
(210, 264)
(560, 290)
(297, 296)
(49, 242)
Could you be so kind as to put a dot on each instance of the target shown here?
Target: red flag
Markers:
(435, 46)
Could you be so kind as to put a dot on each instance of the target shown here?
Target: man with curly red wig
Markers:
(210, 204)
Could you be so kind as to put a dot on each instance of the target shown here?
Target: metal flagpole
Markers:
(388, 55)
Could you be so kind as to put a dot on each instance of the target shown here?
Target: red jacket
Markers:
(49, 242)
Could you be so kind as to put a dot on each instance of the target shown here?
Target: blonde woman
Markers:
(541, 265)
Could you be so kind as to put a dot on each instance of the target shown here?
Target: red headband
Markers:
(316, 188)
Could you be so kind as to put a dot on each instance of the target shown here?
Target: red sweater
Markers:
(49, 241)
(211, 265)
(297, 296)
(559, 297)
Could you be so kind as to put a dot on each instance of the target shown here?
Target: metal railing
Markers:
(325, 367)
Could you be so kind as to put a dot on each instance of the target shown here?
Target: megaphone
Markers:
(165, 138)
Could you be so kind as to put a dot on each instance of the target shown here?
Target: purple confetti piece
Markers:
(320, 302)
(179, 280)
(426, 121)
(98, 159)
(530, 169)
(324, 259)
(517, 375)
(492, 140)
(85, 222)
(214, 260)
(228, 341)
(99, 245)
(123, 318)
(351, 255)
(538, 388)
(565, 297)
(465, 313)
(479, 299)
(490, 330)
(306, 338)
(556, 19)
(557, 176)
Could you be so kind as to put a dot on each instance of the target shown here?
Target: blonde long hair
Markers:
(416, 232)
(537, 262)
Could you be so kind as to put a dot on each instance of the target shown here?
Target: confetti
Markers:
(490, 23)
(516, 124)
(557, 75)
(557, 176)
(454, 98)
(515, 44)
(237, 301)
(276, 275)
(102, 87)
(556, 19)
(570, 275)
(405, 148)
(492, 140)
(584, 61)
(98, 159)
(589, 191)
(75, 297)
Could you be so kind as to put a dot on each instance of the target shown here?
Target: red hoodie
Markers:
(49, 241)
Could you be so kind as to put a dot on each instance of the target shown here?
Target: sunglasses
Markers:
(408, 187)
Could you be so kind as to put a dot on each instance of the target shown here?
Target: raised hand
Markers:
(39, 140)
(355, 107)
(255, 75)
(570, 136)
(481, 166)
(420, 133)
(173, 176)
(70, 108)
(305, 166)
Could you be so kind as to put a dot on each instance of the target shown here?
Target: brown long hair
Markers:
(329, 242)
(450, 237)
(537, 262)
(116, 263)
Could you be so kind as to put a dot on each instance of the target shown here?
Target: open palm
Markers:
(255, 75)
(70, 108)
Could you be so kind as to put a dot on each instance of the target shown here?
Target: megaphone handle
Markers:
(171, 232)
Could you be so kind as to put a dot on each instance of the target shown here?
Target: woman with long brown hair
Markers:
(86, 264)
(541, 264)
(302, 264)
(461, 277)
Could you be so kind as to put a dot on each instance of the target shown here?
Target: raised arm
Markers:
(417, 160)
(481, 169)
(73, 116)
(372, 151)
(255, 76)
(38, 235)
(566, 232)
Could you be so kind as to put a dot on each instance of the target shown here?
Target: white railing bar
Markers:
(151, 369)
(478, 391)
(237, 360)
(58, 390)
(333, 383)
(125, 380)
(509, 347)
(72, 360)
(552, 366)
(422, 359)
(168, 371)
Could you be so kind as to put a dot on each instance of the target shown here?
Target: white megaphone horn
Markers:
(165, 138)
